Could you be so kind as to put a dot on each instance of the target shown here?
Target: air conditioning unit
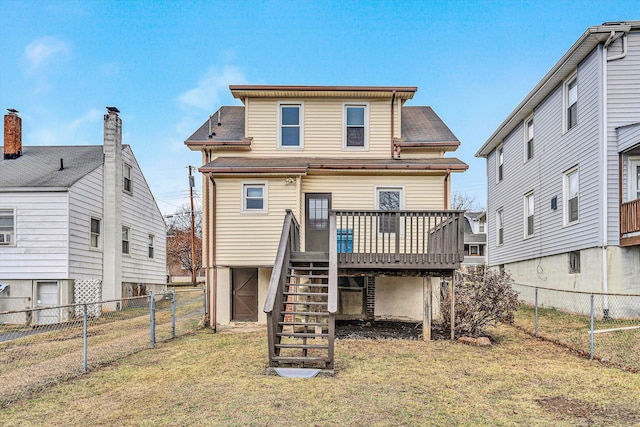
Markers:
(5, 238)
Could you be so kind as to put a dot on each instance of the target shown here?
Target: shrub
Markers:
(483, 297)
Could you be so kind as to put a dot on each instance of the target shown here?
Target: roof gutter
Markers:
(580, 49)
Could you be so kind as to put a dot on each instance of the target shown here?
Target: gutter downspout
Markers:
(205, 233)
(213, 288)
(393, 145)
(446, 190)
(605, 172)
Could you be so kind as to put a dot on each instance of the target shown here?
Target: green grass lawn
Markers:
(219, 379)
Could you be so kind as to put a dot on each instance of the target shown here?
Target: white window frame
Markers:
(529, 138)
(477, 250)
(300, 126)
(401, 190)
(127, 175)
(499, 227)
(12, 233)
(98, 245)
(265, 197)
(566, 212)
(126, 232)
(365, 146)
(632, 184)
(499, 163)
(152, 249)
(529, 211)
(573, 78)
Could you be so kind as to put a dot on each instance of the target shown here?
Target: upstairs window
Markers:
(290, 135)
(499, 163)
(151, 245)
(528, 139)
(355, 131)
(125, 240)
(389, 199)
(499, 227)
(7, 227)
(529, 211)
(571, 192)
(95, 233)
(127, 183)
(254, 198)
(571, 102)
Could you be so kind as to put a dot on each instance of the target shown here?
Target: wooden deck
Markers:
(630, 223)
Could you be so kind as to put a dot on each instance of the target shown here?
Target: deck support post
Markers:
(427, 296)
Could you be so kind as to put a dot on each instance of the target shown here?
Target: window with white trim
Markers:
(94, 239)
(291, 130)
(570, 102)
(254, 197)
(7, 227)
(151, 245)
(528, 139)
(355, 131)
(389, 199)
(127, 182)
(571, 191)
(529, 211)
(125, 240)
(499, 163)
(499, 227)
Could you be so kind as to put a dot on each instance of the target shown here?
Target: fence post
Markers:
(152, 320)
(84, 337)
(536, 298)
(591, 337)
(453, 306)
(173, 313)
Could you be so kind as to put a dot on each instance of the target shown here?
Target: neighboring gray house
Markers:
(77, 223)
(475, 238)
(563, 209)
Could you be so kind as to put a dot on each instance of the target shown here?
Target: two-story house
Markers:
(362, 184)
(564, 170)
(475, 238)
(78, 223)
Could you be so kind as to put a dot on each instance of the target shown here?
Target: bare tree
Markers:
(463, 202)
(179, 254)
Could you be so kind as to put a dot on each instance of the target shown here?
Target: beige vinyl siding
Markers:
(323, 127)
(250, 239)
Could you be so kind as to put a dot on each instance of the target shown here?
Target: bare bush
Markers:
(483, 298)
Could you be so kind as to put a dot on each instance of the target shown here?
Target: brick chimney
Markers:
(12, 134)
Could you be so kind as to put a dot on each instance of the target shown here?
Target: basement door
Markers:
(316, 224)
(244, 286)
(47, 296)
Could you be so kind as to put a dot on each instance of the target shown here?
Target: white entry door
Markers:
(47, 296)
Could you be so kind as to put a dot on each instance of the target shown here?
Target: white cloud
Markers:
(90, 116)
(43, 50)
(212, 86)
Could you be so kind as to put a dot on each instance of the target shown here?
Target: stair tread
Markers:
(305, 313)
(307, 346)
(305, 303)
(303, 324)
(299, 359)
(301, 335)
(307, 294)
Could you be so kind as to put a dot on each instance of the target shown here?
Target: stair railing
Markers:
(289, 242)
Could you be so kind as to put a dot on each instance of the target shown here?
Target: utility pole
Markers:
(193, 230)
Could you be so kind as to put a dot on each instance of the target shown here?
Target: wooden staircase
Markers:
(304, 334)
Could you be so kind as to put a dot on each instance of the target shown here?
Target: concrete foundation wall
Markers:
(399, 298)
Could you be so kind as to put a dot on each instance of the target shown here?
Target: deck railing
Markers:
(399, 239)
(630, 217)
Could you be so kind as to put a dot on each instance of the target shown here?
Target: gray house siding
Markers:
(554, 154)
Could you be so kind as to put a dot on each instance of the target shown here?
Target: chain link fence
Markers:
(44, 346)
(600, 326)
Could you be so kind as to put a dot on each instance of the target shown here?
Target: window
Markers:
(474, 250)
(499, 163)
(529, 211)
(95, 233)
(254, 197)
(355, 132)
(127, 184)
(151, 242)
(574, 262)
(125, 240)
(499, 227)
(389, 199)
(290, 135)
(528, 139)
(318, 213)
(571, 186)
(481, 227)
(571, 102)
(634, 179)
(7, 227)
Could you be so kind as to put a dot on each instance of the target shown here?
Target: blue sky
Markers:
(167, 65)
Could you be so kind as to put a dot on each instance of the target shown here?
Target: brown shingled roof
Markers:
(230, 130)
(422, 127)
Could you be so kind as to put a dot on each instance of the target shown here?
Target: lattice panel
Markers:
(88, 292)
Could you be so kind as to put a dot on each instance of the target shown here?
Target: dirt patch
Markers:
(588, 412)
(385, 329)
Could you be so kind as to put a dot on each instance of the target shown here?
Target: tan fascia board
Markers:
(244, 144)
(429, 146)
(399, 167)
(219, 171)
(285, 91)
(569, 61)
